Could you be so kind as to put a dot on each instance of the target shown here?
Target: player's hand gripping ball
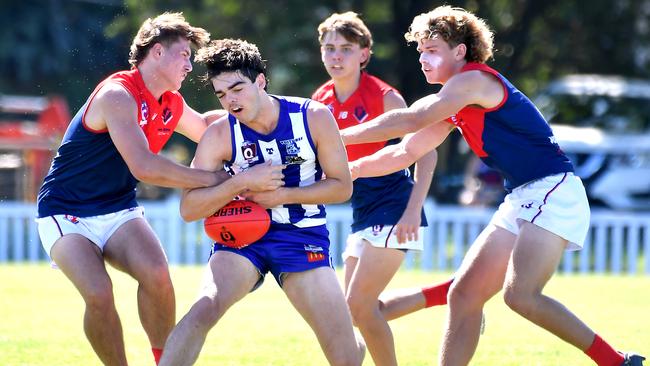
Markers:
(237, 224)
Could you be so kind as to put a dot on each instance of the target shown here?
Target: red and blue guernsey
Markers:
(88, 176)
(377, 200)
(513, 137)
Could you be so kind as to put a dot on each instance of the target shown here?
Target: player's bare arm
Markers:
(192, 124)
(468, 88)
(400, 156)
(337, 186)
(115, 109)
(213, 149)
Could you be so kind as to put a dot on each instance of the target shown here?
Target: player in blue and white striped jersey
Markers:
(286, 154)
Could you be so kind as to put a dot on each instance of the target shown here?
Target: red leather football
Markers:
(237, 224)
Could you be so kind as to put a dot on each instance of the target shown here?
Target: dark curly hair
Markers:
(228, 55)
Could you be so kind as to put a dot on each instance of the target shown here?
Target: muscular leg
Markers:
(229, 278)
(374, 270)
(82, 262)
(134, 249)
(535, 258)
(326, 313)
(479, 278)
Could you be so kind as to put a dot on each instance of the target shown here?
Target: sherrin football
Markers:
(237, 224)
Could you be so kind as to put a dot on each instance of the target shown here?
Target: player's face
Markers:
(239, 95)
(175, 62)
(341, 57)
(438, 61)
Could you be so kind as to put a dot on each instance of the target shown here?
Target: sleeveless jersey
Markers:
(88, 176)
(290, 143)
(376, 200)
(513, 137)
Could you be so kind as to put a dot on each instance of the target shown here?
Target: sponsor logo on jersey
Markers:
(144, 113)
(343, 115)
(293, 160)
(360, 113)
(291, 146)
(166, 115)
(527, 205)
(249, 150)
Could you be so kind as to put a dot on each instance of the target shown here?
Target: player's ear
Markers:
(156, 50)
(365, 55)
(461, 51)
(261, 81)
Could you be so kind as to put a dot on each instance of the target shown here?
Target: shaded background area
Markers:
(66, 47)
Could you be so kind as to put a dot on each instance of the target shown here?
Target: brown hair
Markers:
(351, 27)
(454, 26)
(166, 29)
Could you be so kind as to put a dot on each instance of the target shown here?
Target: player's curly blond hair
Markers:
(351, 27)
(454, 26)
(166, 29)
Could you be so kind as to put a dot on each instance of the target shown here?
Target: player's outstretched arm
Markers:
(212, 151)
(116, 110)
(469, 88)
(400, 156)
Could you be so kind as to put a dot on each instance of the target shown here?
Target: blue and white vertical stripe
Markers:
(290, 143)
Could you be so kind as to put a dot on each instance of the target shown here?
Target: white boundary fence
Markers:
(618, 242)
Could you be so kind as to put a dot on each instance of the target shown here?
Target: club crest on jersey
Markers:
(249, 151)
(166, 115)
(144, 113)
(290, 146)
(360, 114)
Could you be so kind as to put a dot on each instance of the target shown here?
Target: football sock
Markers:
(157, 354)
(603, 354)
(436, 294)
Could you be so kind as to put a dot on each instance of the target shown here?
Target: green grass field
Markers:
(41, 323)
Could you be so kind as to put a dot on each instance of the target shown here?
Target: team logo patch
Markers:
(144, 113)
(166, 115)
(72, 219)
(314, 253)
(291, 146)
(249, 150)
(360, 114)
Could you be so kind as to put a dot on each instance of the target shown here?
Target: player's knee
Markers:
(207, 311)
(99, 298)
(360, 309)
(521, 301)
(156, 276)
(463, 295)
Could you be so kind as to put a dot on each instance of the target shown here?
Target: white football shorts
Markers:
(557, 203)
(98, 229)
(379, 236)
